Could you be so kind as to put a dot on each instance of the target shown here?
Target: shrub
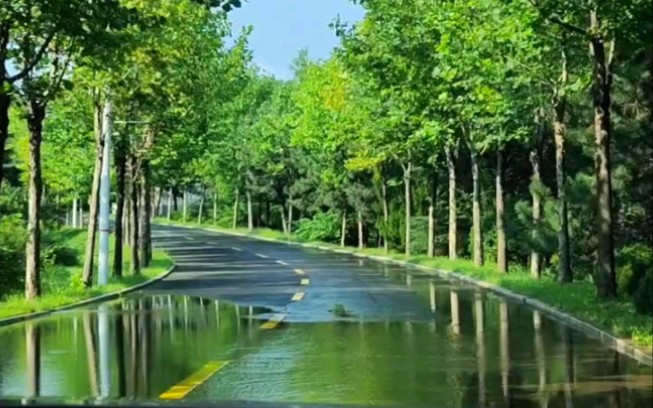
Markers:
(643, 297)
(12, 253)
(324, 226)
(634, 262)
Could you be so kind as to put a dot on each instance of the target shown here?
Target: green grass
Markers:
(578, 299)
(62, 284)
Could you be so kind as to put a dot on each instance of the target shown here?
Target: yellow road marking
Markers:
(182, 389)
(305, 281)
(299, 272)
(298, 296)
(236, 249)
(282, 263)
(273, 322)
(262, 256)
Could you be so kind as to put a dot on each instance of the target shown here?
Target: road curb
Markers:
(102, 298)
(620, 345)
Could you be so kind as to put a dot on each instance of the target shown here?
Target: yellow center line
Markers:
(299, 272)
(273, 322)
(305, 281)
(298, 296)
(262, 256)
(282, 263)
(182, 389)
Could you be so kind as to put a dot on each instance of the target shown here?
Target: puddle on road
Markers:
(474, 351)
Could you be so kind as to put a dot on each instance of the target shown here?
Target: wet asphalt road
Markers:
(305, 284)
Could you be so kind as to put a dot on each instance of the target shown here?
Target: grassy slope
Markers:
(578, 298)
(66, 281)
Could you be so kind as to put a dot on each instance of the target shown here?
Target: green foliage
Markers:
(12, 253)
(322, 227)
(634, 262)
(643, 296)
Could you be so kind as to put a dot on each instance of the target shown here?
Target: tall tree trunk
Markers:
(250, 212)
(290, 215)
(145, 214)
(156, 208)
(33, 248)
(451, 155)
(135, 262)
(5, 101)
(121, 175)
(502, 256)
(560, 107)
(184, 205)
(407, 170)
(477, 228)
(169, 207)
(361, 237)
(234, 224)
(284, 224)
(431, 228)
(343, 228)
(94, 202)
(215, 206)
(199, 214)
(386, 215)
(536, 185)
(174, 199)
(605, 276)
(74, 215)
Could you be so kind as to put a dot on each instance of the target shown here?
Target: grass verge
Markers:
(62, 285)
(577, 299)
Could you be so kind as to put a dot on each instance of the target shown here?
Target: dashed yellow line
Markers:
(273, 322)
(282, 263)
(236, 249)
(182, 389)
(298, 296)
(305, 281)
(299, 272)
(262, 256)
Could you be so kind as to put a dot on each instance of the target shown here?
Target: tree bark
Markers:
(121, 174)
(407, 175)
(430, 252)
(343, 229)
(386, 215)
(451, 155)
(156, 208)
(199, 214)
(477, 228)
(169, 207)
(536, 183)
(502, 258)
(560, 107)
(250, 213)
(361, 238)
(5, 101)
(94, 202)
(235, 217)
(75, 216)
(605, 276)
(135, 263)
(184, 205)
(215, 206)
(145, 214)
(33, 248)
(290, 215)
(284, 224)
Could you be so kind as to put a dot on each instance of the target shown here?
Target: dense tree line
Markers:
(514, 133)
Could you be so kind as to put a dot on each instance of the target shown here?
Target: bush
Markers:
(634, 262)
(324, 226)
(12, 253)
(643, 297)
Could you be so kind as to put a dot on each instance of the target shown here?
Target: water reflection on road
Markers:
(475, 350)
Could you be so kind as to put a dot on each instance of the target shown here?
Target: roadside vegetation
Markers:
(506, 140)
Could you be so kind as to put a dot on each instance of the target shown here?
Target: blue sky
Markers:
(283, 27)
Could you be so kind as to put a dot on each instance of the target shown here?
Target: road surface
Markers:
(247, 320)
